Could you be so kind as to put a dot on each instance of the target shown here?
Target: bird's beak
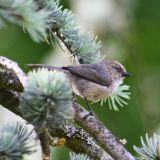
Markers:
(127, 74)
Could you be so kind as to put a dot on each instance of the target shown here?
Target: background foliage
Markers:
(141, 56)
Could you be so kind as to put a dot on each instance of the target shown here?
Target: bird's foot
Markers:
(92, 113)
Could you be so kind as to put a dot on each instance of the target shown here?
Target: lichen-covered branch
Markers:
(11, 75)
(9, 80)
(9, 99)
(101, 134)
(80, 141)
(12, 81)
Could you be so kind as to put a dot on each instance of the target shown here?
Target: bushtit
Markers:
(92, 81)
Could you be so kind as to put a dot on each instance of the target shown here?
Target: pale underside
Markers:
(93, 91)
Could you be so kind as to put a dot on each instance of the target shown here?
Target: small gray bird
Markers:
(92, 81)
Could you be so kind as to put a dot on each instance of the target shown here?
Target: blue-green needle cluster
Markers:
(150, 148)
(45, 20)
(47, 99)
(17, 141)
(74, 156)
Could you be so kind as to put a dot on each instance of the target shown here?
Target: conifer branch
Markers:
(79, 141)
(101, 134)
(65, 28)
(11, 75)
(45, 20)
(12, 81)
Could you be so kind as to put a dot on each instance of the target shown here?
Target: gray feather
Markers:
(96, 73)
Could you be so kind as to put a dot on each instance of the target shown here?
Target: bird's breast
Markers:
(92, 91)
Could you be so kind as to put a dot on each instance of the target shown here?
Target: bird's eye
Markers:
(118, 69)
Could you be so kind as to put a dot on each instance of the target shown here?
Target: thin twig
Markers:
(63, 40)
(45, 143)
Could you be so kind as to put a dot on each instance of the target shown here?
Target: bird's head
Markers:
(116, 70)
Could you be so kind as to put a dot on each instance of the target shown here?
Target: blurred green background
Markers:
(131, 35)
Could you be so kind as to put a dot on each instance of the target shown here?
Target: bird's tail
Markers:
(49, 67)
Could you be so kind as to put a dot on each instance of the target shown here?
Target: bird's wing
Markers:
(92, 72)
